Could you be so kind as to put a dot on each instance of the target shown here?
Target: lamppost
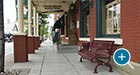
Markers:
(1, 38)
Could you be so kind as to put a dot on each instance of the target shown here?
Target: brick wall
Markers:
(77, 18)
(93, 21)
(130, 27)
(63, 38)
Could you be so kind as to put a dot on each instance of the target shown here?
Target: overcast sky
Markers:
(9, 10)
(9, 15)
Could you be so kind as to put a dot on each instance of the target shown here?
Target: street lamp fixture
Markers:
(89, 4)
(83, 1)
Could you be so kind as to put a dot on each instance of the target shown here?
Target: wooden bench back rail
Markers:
(97, 51)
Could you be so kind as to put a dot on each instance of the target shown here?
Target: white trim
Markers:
(67, 38)
(62, 35)
(19, 33)
(118, 41)
(30, 36)
(36, 36)
(84, 39)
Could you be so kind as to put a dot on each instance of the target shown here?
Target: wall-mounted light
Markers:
(89, 4)
(83, 1)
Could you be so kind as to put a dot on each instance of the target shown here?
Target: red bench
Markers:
(98, 52)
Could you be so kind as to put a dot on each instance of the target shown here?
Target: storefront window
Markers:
(86, 23)
(85, 18)
(111, 17)
(87, 32)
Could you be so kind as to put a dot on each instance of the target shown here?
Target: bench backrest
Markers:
(102, 45)
(86, 45)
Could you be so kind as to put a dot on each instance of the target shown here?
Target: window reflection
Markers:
(112, 17)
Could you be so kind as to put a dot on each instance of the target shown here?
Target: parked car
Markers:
(8, 37)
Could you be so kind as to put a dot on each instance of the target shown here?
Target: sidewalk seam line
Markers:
(71, 63)
(42, 62)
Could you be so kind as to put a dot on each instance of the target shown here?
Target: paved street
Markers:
(8, 48)
(9, 60)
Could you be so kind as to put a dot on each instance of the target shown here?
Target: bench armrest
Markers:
(85, 46)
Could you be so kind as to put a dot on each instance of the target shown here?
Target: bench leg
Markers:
(81, 59)
(95, 69)
(110, 68)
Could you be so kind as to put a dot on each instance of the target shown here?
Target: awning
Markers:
(59, 23)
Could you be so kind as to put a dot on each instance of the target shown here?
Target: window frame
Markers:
(83, 7)
(99, 22)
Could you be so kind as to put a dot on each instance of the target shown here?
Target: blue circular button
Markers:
(121, 56)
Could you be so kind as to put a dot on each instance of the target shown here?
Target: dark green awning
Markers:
(59, 23)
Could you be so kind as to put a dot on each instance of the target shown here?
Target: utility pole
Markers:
(1, 37)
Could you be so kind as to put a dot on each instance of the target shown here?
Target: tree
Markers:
(44, 26)
(1, 37)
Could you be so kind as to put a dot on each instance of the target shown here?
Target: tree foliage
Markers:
(44, 26)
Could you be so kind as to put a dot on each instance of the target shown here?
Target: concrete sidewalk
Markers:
(47, 61)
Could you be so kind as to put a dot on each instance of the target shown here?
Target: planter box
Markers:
(20, 48)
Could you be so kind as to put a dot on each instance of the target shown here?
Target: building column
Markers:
(20, 16)
(37, 26)
(37, 29)
(34, 27)
(29, 17)
(30, 36)
(34, 23)
(20, 38)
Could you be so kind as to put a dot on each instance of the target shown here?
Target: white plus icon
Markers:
(122, 57)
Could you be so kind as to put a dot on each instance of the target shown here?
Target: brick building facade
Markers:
(128, 36)
(129, 29)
